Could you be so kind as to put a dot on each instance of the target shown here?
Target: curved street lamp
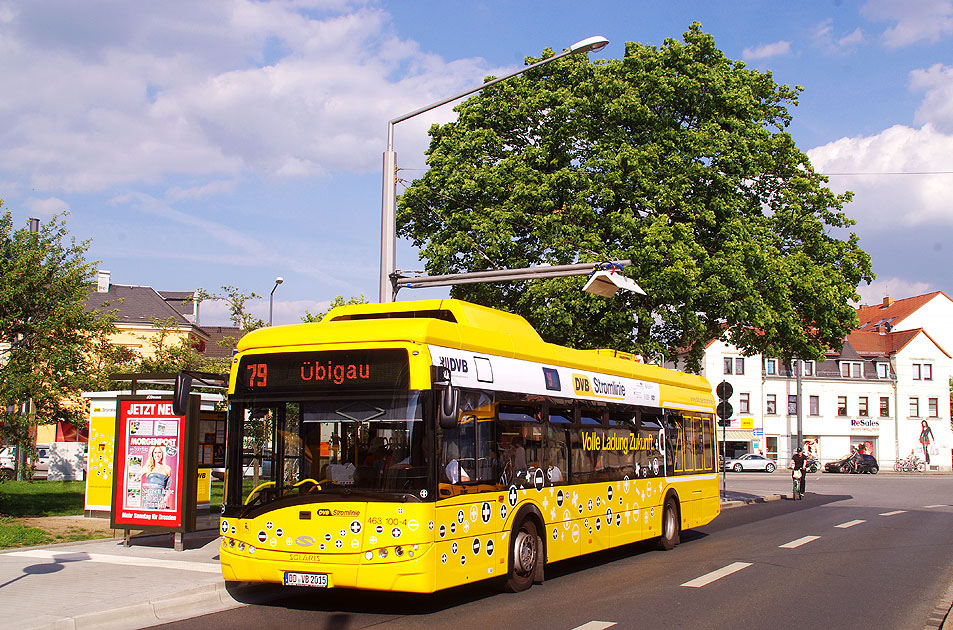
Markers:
(271, 299)
(388, 291)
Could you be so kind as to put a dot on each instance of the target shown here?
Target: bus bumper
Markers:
(411, 575)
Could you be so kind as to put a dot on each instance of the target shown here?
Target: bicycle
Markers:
(796, 489)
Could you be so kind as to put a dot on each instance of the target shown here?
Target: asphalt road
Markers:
(859, 552)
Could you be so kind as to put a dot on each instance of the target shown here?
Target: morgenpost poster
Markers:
(150, 465)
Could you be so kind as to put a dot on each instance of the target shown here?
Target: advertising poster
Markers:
(150, 465)
(99, 471)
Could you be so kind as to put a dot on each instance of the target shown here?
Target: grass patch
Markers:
(13, 534)
(42, 498)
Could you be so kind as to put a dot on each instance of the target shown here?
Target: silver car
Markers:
(751, 462)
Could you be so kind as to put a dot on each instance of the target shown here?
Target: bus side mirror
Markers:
(446, 397)
(180, 395)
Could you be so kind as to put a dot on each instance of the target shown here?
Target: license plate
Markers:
(314, 580)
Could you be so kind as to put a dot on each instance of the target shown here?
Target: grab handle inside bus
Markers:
(447, 401)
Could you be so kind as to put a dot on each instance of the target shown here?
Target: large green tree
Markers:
(47, 339)
(675, 157)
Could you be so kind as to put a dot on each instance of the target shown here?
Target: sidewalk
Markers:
(102, 584)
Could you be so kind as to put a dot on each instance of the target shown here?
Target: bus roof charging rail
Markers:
(447, 402)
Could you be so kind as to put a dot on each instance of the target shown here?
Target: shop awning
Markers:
(736, 435)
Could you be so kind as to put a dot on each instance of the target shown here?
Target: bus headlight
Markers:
(369, 555)
(382, 553)
(399, 551)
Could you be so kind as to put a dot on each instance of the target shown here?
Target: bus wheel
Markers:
(669, 537)
(525, 558)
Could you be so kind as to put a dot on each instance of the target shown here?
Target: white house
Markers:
(888, 386)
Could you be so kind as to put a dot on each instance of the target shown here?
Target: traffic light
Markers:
(724, 409)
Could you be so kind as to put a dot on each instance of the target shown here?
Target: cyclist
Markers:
(799, 460)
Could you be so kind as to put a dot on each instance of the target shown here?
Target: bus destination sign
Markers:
(324, 371)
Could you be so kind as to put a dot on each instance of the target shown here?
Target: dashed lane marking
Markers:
(797, 543)
(936, 506)
(894, 513)
(708, 578)
(595, 625)
(849, 524)
(60, 556)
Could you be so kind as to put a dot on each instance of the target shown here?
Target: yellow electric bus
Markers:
(417, 446)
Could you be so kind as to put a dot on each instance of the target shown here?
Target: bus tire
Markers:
(526, 556)
(670, 525)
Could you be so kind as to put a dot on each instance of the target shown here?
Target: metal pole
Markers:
(800, 431)
(388, 291)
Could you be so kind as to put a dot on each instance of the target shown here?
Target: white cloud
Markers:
(45, 208)
(914, 20)
(883, 199)
(937, 105)
(764, 51)
(825, 37)
(106, 94)
(896, 288)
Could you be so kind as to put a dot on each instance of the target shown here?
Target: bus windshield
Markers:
(296, 452)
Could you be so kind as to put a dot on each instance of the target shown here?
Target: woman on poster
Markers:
(926, 436)
(156, 476)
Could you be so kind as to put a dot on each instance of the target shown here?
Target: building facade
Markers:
(886, 392)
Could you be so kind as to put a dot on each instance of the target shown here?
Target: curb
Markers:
(742, 502)
(201, 600)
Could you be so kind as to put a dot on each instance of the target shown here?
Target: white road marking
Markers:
(894, 513)
(595, 625)
(849, 524)
(936, 506)
(708, 578)
(60, 556)
(797, 543)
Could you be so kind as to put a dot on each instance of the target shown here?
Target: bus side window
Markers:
(466, 450)
(623, 434)
(650, 459)
(520, 440)
(557, 434)
(708, 430)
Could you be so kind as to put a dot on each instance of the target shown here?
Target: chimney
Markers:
(102, 282)
(887, 301)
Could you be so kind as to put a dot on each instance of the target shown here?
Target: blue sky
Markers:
(230, 142)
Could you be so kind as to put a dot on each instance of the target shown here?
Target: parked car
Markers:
(864, 464)
(8, 459)
(812, 465)
(751, 462)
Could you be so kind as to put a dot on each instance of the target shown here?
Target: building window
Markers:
(934, 407)
(842, 405)
(928, 371)
(744, 403)
(815, 403)
(792, 404)
(734, 365)
(916, 372)
(883, 370)
(884, 407)
(771, 366)
(850, 369)
(771, 405)
(808, 368)
(914, 407)
(862, 407)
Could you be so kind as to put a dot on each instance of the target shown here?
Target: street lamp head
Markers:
(590, 44)
(279, 280)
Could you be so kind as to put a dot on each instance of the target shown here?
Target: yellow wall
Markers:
(142, 339)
